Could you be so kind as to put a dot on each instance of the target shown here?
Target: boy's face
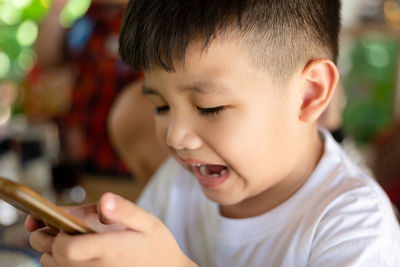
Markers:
(224, 120)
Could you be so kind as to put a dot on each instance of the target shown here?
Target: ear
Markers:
(321, 77)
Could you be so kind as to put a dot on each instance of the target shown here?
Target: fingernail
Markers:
(110, 204)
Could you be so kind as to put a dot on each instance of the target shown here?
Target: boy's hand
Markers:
(145, 241)
(43, 236)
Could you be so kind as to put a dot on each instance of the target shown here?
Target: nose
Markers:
(180, 135)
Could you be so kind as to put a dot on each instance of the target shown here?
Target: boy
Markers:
(238, 87)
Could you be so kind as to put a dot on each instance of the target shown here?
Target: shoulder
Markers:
(356, 221)
(353, 217)
(343, 185)
(353, 205)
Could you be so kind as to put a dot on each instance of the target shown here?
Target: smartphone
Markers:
(27, 200)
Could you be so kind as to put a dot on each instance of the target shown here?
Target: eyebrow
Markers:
(204, 87)
(199, 87)
(149, 91)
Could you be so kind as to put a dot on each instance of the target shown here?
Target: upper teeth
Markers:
(197, 165)
(203, 170)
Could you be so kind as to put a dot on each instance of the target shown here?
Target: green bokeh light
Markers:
(26, 60)
(21, 3)
(5, 65)
(19, 21)
(370, 87)
(36, 10)
(27, 33)
(378, 56)
(45, 3)
(9, 14)
(72, 11)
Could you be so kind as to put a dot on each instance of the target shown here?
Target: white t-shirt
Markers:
(339, 217)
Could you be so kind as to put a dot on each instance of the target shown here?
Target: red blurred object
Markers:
(100, 77)
(387, 162)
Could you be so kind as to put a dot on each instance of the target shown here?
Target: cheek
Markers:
(253, 143)
(161, 126)
(232, 138)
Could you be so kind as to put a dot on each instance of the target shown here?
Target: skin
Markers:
(266, 136)
(136, 237)
(260, 123)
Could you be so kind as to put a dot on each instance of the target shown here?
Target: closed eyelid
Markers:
(210, 112)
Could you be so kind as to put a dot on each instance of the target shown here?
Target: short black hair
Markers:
(279, 34)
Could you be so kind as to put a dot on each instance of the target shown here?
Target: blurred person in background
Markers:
(90, 49)
(132, 132)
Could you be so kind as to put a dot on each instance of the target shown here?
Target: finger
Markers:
(41, 240)
(46, 260)
(102, 219)
(119, 210)
(32, 223)
(80, 211)
(88, 247)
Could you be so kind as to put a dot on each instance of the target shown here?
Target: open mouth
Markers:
(210, 175)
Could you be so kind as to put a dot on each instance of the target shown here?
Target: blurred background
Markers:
(60, 74)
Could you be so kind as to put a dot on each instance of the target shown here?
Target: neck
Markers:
(313, 150)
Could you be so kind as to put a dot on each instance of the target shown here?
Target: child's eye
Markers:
(206, 112)
(162, 109)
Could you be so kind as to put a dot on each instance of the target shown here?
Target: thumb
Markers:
(115, 209)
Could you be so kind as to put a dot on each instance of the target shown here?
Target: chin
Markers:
(223, 199)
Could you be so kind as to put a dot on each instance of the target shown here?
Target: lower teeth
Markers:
(204, 172)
